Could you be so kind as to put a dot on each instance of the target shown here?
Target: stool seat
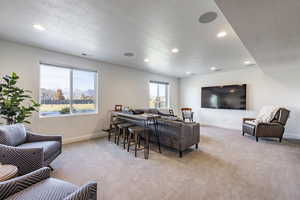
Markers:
(136, 129)
(117, 121)
(134, 134)
(125, 125)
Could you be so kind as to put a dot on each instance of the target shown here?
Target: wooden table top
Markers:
(145, 116)
(7, 172)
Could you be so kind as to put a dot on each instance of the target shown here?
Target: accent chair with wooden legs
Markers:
(274, 129)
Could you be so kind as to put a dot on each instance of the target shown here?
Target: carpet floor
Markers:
(226, 166)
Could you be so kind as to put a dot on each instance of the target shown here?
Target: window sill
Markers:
(68, 115)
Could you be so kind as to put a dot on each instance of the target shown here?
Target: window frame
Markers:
(167, 85)
(71, 90)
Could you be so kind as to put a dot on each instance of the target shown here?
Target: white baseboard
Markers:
(84, 138)
(286, 134)
(291, 136)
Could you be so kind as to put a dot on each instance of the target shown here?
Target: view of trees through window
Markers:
(66, 91)
(158, 94)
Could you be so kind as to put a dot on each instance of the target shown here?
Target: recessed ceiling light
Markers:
(188, 73)
(221, 34)
(39, 27)
(146, 60)
(175, 50)
(214, 69)
(247, 62)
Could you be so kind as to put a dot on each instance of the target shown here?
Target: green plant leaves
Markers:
(12, 100)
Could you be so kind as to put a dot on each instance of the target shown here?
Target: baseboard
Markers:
(291, 136)
(286, 135)
(84, 138)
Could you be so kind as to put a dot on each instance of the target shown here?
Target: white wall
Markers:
(117, 85)
(274, 87)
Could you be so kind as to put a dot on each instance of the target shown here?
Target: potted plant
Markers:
(16, 105)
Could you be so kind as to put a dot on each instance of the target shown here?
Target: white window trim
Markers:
(71, 90)
(167, 92)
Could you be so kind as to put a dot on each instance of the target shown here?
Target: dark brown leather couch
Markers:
(273, 129)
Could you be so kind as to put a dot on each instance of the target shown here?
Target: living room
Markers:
(126, 108)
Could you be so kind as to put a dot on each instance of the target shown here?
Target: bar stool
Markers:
(123, 130)
(135, 133)
(114, 127)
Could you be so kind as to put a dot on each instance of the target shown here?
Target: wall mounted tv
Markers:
(224, 97)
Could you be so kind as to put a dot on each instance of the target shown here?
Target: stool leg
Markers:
(116, 130)
(135, 144)
(118, 139)
(158, 142)
(139, 141)
(129, 140)
(124, 137)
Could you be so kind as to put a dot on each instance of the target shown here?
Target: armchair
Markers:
(26, 150)
(273, 129)
(38, 185)
(187, 114)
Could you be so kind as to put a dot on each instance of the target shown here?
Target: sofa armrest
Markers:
(26, 159)
(189, 135)
(269, 130)
(10, 187)
(85, 192)
(248, 119)
(33, 137)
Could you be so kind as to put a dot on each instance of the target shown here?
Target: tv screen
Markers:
(224, 97)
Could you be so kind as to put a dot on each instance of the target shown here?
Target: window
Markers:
(67, 91)
(159, 94)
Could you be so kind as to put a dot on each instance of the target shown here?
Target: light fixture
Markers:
(215, 69)
(39, 27)
(188, 73)
(175, 50)
(221, 34)
(247, 62)
(146, 60)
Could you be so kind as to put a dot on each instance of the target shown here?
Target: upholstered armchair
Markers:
(26, 150)
(38, 185)
(187, 114)
(273, 129)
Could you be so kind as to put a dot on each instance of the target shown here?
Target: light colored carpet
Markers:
(226, 166)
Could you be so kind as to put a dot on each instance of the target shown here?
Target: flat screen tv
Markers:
(224, 97)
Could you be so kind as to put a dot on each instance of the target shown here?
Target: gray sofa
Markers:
(38, 185)
(26, 150)
(174, 132)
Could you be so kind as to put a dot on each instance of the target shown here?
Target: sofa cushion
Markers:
(12, 135)
(49, 147)
(49, 189)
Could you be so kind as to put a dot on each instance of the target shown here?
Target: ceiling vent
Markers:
(128, 54)
(208, 17)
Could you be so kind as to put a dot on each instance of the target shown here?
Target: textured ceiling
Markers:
(106, 29)
(270, 29)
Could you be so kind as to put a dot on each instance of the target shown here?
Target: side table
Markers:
(7, 172)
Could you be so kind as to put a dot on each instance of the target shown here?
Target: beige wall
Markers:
(276, 86)
(117, 85)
